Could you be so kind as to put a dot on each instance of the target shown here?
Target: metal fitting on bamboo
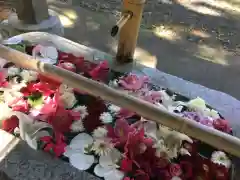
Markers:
(121, 22)
(129, 31)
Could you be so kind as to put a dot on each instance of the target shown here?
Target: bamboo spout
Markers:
(129, 31)
(121, 22)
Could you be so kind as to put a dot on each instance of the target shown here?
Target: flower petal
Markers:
(69, 151)
(81, 141)
(101, 171)
(110, 159)
(81, 161)
(114, 175)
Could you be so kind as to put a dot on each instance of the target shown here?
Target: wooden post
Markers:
(129, 32)
(32, 11)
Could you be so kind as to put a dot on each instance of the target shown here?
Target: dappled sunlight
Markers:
(7, 143)
(68, 17)
(191, 5)
(210, 7)
(145, 58)
(215, 55)
(167, 32)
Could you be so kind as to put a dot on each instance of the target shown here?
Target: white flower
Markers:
(166, 99)
(68, 99)
(65, 88)
(211, 113)
(5, 111)
(83, 111)
(12, 71)
(107, 166)
(176, 178)
(100, 132)
(75, 152)
(106, 118)
(219, 157)
(77, 126)
(102, 147)
(113, 83)
(114, 109)
(197, 104)
(11, 95)
(29, 76)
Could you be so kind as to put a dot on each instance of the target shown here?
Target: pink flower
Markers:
(20, 105)
(207, 122)
(133, 82)
(67, 65)
(175, 170)
(3, 76)
(222, 125)
(120, 132)
(100, 72)
(152, 97)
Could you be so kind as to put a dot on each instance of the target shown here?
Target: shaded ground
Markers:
(198, 41)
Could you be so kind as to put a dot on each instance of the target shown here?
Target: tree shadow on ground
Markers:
(205, 49)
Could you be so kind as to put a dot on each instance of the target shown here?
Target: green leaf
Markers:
(36, 99)
(18, 47)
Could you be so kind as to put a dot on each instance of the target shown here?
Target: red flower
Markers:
(57, 146)
(222, 125)
(100, 72)
(125, 113)
(119, 134)
(126, 165)
(221, 172)
(10, 124)
(45, 88)
(187, 169)
(141, 175)
(95, 108)
(135, 140)
(175, 170)
(128, 178)
(61, 120)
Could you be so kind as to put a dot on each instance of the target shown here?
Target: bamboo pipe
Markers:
(129, 32)
(208, 135)
(121, 22)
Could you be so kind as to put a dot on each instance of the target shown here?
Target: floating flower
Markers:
(175, 169)
(55, 145)
(82, 110)
(28, 75)
(107, 166)
(68, 99)
(100, 72)
(12, 71)
(100, 132)
(10, 124)
(77, 126)
(219, 157)
(119, 134)
(113, 108)
(64, 88)
(68, 66)
(76, 151)
(222, 125)
(3, 76)
(106, 118)
(133, 82)
(197, 104)
(5, 111)
(102, 146)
